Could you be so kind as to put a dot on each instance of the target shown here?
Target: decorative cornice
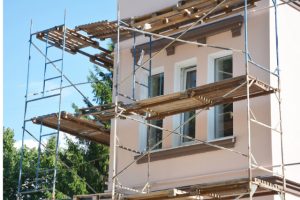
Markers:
(200, 34)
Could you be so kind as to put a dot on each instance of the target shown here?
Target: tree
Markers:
(10, 165)
(87, 159)
(11, 161)
(92, 159)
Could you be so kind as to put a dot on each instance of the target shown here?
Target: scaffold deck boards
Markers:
(74, 40)
(168, 20)
(202, 97)
(83, 128)
(101, 30)
(230, 189)
(74, 43)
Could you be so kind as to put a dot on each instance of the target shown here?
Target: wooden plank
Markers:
(82, 128)
(168, 20)
(74, 42)
(200, 97)
(229, 24)
(229, 189)
(170, 12)
(164, 194)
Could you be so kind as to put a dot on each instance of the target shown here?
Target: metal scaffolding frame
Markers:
(40, 183)
(44, 182)
(253, 182)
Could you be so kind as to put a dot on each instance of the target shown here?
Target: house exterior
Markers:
(179, 161)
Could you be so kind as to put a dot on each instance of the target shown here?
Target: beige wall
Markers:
(211, 166)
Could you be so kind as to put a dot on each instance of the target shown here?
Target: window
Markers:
(188, 81)
(157, 88)
(223, 114)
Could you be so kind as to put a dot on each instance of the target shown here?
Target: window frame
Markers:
(177, 84)
(160, 75)
(211, 126)
(184, 72)
(143, 129)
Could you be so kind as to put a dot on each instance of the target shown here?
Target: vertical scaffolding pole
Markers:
(39, 157)
(134, 63)
(248, 97)
(114, 144)
(279, 96)
(150, 67)
(25, 112)
(59, 108)
(45, 67)
(149, 95)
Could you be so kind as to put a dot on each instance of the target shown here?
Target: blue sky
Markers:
(45, 14)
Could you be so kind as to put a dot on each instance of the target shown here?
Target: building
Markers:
(195, 88)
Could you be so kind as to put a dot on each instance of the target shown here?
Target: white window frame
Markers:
(143, 127)
(210, 79)
(178, 79)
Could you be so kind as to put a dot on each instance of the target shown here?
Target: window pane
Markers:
(188, 129)
(155, 135)
(223, 68)
(223, 113)
(190, 79)
(157, 85)
(224, 120)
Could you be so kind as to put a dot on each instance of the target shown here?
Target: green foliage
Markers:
(10, 165)
(111, 46)
(90, 161)
(101, 85)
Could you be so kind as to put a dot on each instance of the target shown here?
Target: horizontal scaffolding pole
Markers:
(47, 30)
(35, 191)
(266, 170)
(130, 189)
(264, 125)
(62, 162)
(49, 134)
(263, 68)
(130, 149)
(181, 40)
(41, 98)
(64, 87)
(65, 77)
(184, 136)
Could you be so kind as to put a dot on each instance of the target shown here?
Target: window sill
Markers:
(187, 150)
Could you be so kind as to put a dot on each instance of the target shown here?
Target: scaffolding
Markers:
(58, 39)
(188, 15)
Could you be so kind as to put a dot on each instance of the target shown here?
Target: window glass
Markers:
(157, 89)
(157, 85)
(189, 81)
(223, 113)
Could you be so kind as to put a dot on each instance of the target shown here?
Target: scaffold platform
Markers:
(74, 43)
(201, 97)
(82, 128)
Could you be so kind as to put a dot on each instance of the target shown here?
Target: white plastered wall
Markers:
(289, 54)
